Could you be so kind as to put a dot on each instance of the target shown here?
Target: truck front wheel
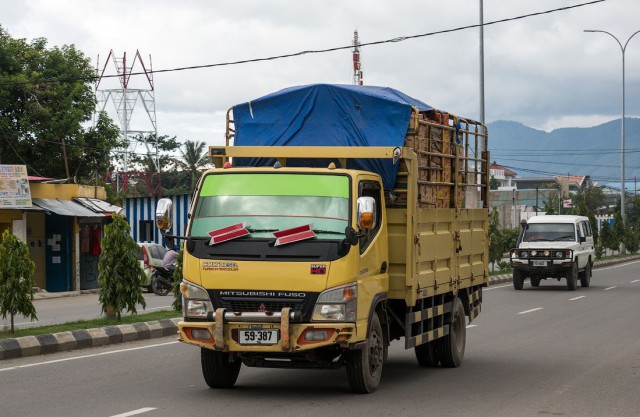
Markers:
(364, 366)
(426, 354)
(218, 369)
(451, 347)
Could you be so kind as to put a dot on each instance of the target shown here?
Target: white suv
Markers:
(554, 247)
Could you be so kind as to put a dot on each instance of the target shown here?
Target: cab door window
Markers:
(371, 189)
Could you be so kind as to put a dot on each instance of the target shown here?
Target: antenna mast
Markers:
(357, 65)
(124, 98)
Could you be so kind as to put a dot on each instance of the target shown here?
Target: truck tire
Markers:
(585, 276)
(572, 277)
(450, 349)
(364, 366)
(426, 354)
(217, 369)
(535, 282)
(518, 281)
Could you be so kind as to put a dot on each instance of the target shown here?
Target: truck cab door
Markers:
(373, 248)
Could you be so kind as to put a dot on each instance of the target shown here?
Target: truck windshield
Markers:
(270, 202)
(550, 232)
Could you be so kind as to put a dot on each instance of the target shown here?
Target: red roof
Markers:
(507, 172)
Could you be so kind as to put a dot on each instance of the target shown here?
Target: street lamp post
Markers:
(622, 187)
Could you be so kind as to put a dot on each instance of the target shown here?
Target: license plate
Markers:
(258, 337)
(539, 263)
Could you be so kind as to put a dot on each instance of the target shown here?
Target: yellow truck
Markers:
(323, 234)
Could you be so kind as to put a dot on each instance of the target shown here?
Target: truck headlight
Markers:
(195, 301)
(337, 304)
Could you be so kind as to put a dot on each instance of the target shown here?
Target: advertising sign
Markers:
(14, 187)
(567, 203)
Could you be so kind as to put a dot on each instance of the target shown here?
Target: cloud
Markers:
(542, 71)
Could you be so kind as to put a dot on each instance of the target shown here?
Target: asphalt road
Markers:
(80, 307)
(538, 352)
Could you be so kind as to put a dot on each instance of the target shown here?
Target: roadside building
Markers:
(63, 229)
(141, 214)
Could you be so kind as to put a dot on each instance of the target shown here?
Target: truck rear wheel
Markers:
(364, 366)
(518, 280)
(585, 276)
(450, 348)
(572, 277)
(217, 368)
(426, 354)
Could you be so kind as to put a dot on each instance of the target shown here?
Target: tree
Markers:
(618, 230)
(551, 204)
(177, 279)
(194, 159)
(495, 241)
(591, 199)
(606, 237)
(46, 98)
(119, 272)
(493, 183)
(16, 279)
(630, 238)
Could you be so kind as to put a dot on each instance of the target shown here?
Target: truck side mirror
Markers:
(164, 211)
(366, 212)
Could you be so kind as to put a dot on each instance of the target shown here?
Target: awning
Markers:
(64, 207)
(98, 206)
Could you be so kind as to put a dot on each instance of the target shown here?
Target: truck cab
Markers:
(559, 247)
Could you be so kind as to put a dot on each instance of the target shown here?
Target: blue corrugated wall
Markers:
(144, 208)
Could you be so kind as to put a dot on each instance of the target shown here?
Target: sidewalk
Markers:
(80, 339)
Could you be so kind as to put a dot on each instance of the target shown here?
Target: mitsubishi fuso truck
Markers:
(337, 219)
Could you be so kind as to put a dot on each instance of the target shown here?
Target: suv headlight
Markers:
(337, 304)
(195, 301)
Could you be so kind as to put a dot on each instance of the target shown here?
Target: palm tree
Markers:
(194, 159)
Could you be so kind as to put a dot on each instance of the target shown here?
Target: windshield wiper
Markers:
(261, 230)
(327, 232)
(562, 237)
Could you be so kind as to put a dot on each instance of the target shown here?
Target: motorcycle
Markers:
(162, 280)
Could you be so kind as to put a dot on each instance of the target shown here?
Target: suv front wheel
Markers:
(572, 277)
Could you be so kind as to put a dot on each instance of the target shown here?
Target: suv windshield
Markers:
(270, 202)
(549, 232)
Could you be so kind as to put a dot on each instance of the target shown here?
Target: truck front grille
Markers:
(237, 302)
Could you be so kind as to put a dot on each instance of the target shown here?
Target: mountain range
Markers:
(593, 151)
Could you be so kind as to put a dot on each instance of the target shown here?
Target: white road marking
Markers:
(86, 356)
(135, 412)
(635, 280)
(494, 288)
(530, 311)
(471, 325)
(577, 298)
(610, 288)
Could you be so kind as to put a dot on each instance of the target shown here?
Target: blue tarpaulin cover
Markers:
(327, 115)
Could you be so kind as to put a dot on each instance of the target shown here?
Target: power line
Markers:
(315, 51)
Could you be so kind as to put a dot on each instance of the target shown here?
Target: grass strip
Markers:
(90, 324)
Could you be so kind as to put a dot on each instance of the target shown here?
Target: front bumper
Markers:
(552, 267)
(224, 330)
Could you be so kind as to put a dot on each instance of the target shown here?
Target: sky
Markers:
(543, 71)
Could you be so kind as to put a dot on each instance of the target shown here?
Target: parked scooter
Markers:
(162, 280)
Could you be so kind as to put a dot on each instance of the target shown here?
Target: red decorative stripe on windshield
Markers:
(294, 234)
(228, 233)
